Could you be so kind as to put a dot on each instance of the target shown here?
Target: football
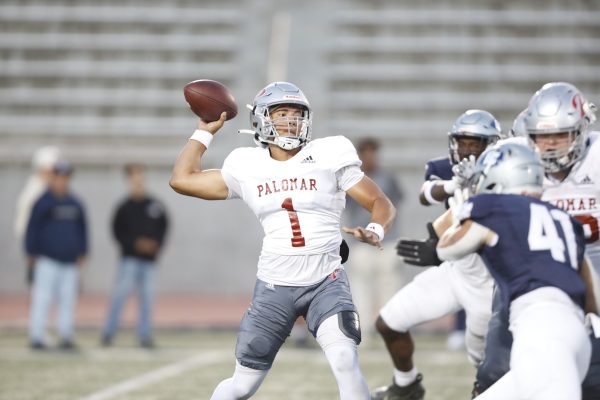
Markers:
(208, 99)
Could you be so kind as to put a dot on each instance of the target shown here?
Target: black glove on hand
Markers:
(344, 251)
(421, 253)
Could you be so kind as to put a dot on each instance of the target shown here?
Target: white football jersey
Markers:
(579, 195)
(299, 202)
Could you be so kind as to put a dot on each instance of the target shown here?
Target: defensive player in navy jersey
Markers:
(556, 123)
(463, 284)
(534, 251)
(472, 132)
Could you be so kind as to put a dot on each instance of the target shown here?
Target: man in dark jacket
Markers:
(56, 244)
(139, 226)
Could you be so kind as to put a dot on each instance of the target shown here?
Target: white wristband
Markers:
(450, 186)
(204, 137)
(377, 229)
(427, 186)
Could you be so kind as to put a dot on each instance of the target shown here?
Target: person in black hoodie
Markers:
(139, 226)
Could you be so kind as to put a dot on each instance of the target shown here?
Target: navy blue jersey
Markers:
(538, 245)
(438, 168)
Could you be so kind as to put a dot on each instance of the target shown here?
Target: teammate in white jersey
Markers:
(297, 188)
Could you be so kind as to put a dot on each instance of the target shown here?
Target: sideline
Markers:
(159, 374)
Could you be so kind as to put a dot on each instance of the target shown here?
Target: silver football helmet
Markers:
(518, 128)
(508, 168)
(473, 124)
(299, 128)
(559, 107)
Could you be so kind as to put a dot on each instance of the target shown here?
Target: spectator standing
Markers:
(42, 163)
(56, 243)
(374, 276)
(139, 226)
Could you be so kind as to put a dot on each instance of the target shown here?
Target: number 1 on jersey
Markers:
(297, 238)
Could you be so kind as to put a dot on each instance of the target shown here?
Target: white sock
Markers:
(224, 390)
(403, 378)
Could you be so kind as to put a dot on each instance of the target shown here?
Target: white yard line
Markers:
(159, 374)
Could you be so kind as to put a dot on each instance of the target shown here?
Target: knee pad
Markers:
(349, 324)
(330, 332)
(255, 351)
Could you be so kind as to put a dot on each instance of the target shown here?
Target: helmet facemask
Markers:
(459, 152)
(559, 108)
(287, 132)
(561, 159)
(477, 129)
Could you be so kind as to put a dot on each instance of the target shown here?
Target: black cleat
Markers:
(68, 345)
(106, 341)
(147, 343)
(35, 345)
(414, 391)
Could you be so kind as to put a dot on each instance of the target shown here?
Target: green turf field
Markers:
(189, 364)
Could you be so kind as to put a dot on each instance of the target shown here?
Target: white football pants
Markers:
(551, 351)
(443, 290)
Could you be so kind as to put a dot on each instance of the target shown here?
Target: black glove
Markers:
(420, 252)
(344, 251)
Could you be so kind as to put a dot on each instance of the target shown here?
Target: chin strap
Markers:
(287, 143)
